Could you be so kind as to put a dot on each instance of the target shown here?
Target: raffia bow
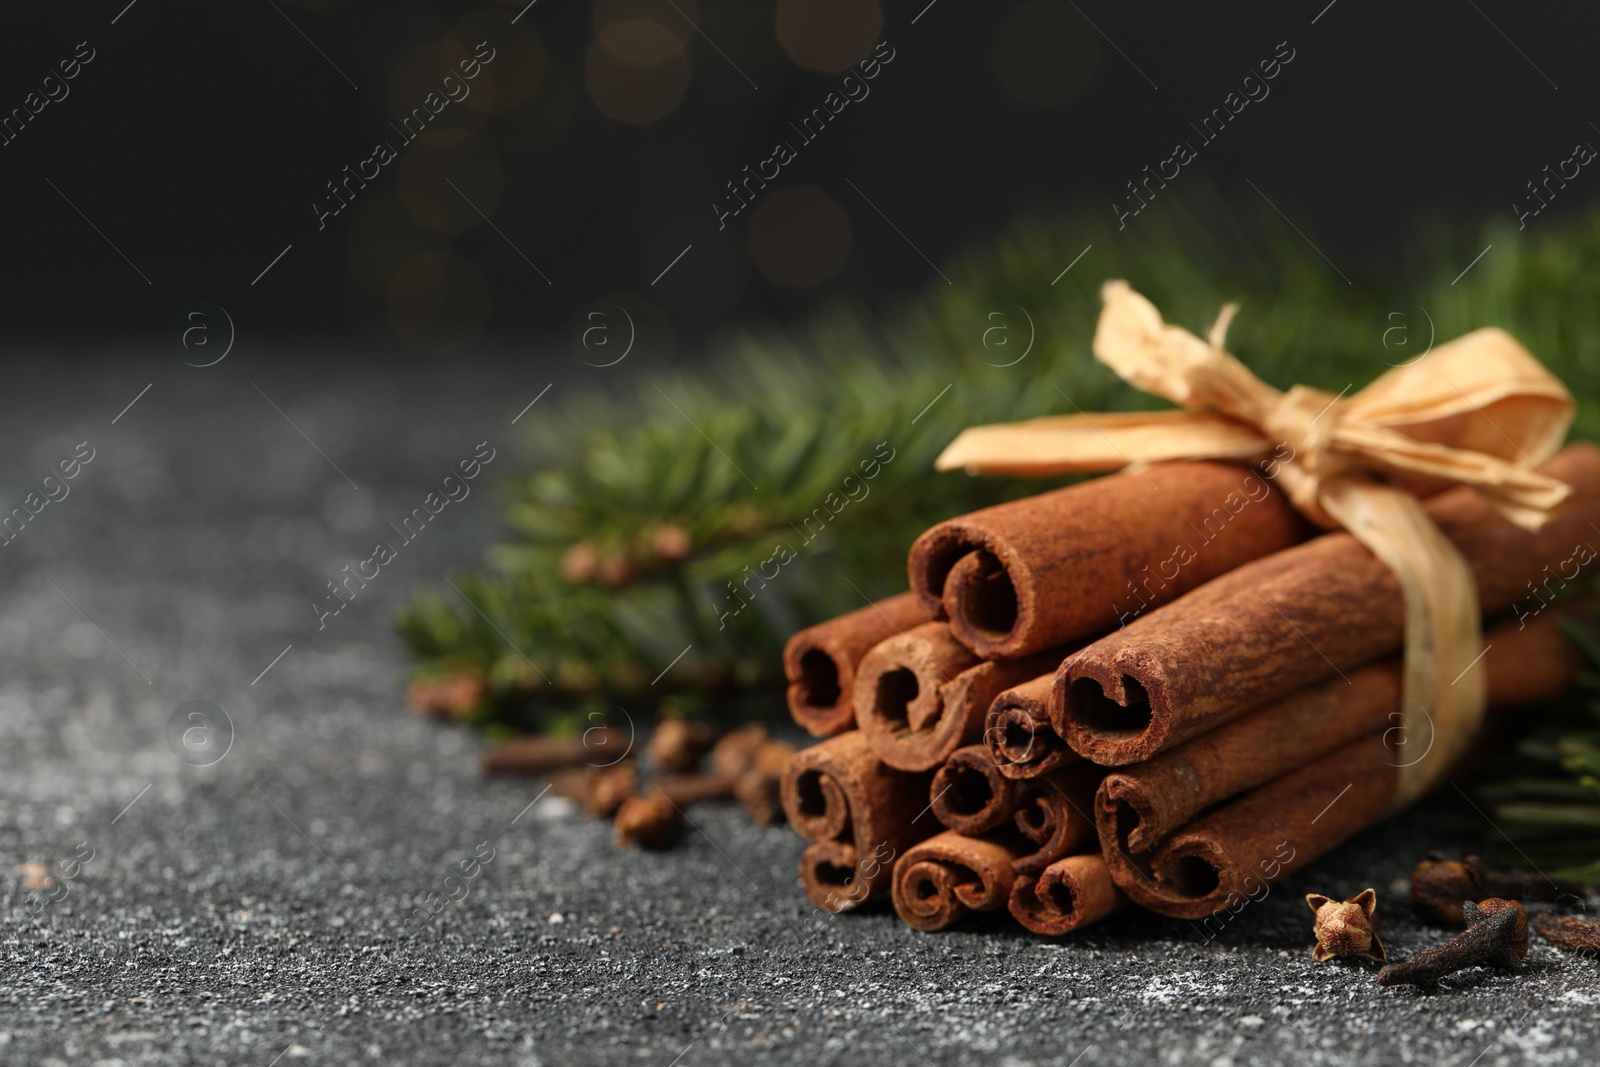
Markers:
(1478, 411)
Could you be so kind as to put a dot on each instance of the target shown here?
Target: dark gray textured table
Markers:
(249, 911)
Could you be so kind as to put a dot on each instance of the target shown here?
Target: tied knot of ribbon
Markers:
(1304, 420)
(1479, 411)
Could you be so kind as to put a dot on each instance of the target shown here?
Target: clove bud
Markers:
(1568, 932)
(651, 821)
(1346, 928)
(1439, 885)
(1496, 936)
(678, 744)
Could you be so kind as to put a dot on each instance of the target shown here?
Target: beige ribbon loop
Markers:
(1478, 411)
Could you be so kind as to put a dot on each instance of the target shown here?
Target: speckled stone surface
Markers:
(249, 911)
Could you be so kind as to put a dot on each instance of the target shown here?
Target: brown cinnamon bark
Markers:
(945, 878)
(1068, 895)
(1233, 855)
(820, 661)
(922, 694)
(969, 794)
(839, 792)
(1018, 732)
(1055, 813)
(1279, 624)
(1139, 806)
(1026, 576)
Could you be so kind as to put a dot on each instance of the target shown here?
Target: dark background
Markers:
(201, 134)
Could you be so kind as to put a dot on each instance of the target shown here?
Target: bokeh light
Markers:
(827, 35)
(636, 71)
(677, 17)
(799, 236)
(382, 234)
(441, 157)
(512, 77)
(1045, 53)
(541, 121)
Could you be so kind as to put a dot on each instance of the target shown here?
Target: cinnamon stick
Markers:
(969, 794)
(1055, 813)
(1041, 819)
(942, 880)
(1068, 895)
(838, 793)
(1278, 624)
(922, 694)
(820, 661)
(1139, 806)
(1238, 851)
(1032, 574)
(1018, 732)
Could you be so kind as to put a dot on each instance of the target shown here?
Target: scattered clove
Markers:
(1440, 885)
(759, 789)
(650, 821)
(446, 696)
(1568, 932)
(735, 751)
(608, 788)
(1346, 928)
(678, 744)
(1496, 936)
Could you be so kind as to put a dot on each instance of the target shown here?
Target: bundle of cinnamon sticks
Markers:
(1160, 687)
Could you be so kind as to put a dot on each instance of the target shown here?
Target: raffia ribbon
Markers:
(1478, 411)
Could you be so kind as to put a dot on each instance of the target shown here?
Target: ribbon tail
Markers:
(1059, 444)
(1444, 691)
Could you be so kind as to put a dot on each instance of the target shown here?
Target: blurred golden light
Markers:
(436, 159)
(512, 76)
(827, 35)
(1045, 53)
(437, 301)
(677, 17)
(640, 41)
(382, 234)
(799, 236)
(539, 122)
(636, 71)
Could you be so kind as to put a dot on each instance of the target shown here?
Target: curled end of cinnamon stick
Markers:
(820, 661)
(966, 574)
(836, 879)
(899, 702)
(1055, 814)
(1069, 895)
(820, 685)
(945, 878)
(1107, 715)
(813, 800)
(988, 612)
(969, 794)
(1018, 732)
